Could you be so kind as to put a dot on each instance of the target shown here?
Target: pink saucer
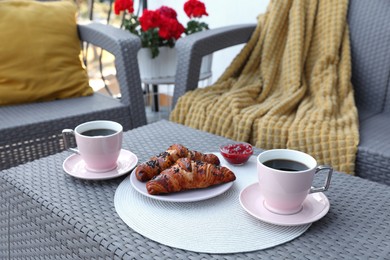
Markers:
(315, 207)
(75, 166)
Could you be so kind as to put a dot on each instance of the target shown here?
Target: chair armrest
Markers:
(192, 48)
(124, 46)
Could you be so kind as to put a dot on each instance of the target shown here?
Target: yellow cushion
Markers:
(40, 52)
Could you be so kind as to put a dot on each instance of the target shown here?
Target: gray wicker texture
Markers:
(31, 131)
(373, 157)
(47, 214)
(370, 40)
(192, 48)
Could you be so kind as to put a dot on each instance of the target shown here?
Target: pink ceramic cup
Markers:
(98, 143)
(286, 177)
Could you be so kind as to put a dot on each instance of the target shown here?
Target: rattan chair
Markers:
(370, 40)
(31, 131)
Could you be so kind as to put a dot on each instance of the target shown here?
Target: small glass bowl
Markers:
(236, 153)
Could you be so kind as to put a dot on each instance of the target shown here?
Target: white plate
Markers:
(183, 196)
(75, 166)
(314, 207)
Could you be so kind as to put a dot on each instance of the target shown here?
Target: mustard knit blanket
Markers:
(289, 87)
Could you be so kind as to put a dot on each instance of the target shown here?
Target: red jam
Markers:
(236, 153)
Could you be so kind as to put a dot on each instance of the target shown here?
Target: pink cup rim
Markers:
(94, 124)
(287, 154)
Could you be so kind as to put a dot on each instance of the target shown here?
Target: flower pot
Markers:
(162, 69)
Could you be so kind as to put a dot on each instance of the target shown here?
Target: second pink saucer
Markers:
(315, 207)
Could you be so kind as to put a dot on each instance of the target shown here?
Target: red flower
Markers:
(122, 5)
(177, 30)
(149, 19)
(160, 27)
(170, 28)
(167, 12)
(165, 19)
(195, 8)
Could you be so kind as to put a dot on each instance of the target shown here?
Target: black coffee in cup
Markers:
(286, 165)
(98, 132)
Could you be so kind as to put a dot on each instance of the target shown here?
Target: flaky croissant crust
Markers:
(155, 165)
(187, 174)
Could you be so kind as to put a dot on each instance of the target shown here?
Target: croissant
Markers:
(187, 174)
(147, 170)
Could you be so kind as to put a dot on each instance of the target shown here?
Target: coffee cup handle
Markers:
(65, 135)
(327, 180)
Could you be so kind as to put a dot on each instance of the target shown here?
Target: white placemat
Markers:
(216, 225)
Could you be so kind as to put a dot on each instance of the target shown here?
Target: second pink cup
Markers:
(286, 177)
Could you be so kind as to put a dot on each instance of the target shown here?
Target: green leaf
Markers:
(194, 26)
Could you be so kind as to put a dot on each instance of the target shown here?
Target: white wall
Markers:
(221, 13)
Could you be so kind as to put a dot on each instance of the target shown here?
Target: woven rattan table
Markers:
(47, 214)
